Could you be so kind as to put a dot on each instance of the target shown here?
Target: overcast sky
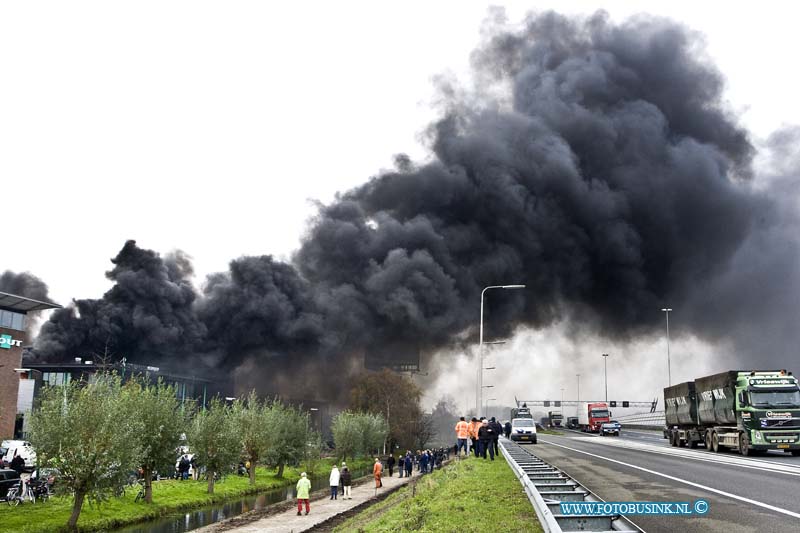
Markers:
(210, 126)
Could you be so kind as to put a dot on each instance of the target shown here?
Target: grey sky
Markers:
(209, 126)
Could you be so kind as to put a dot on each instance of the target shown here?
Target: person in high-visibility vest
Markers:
(303, 488)
(462, 434)
(377, 470)
(474, 425)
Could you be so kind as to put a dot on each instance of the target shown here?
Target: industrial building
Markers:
(14, 321)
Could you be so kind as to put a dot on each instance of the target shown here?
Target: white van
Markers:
(21, 447)
(523, 429)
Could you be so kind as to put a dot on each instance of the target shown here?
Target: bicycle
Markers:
(16, 496)
(40, 489)
(140, 494)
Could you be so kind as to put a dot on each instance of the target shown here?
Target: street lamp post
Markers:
(479, 388)
(579, 389)
(666, 311)
(562, 399)
(605, 372)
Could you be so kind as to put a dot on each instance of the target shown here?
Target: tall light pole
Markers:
(605, 371)
(562, 399)
(666, 311)
(579, 389)
(479, 388)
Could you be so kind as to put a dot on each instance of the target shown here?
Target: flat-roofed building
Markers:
(14, 320)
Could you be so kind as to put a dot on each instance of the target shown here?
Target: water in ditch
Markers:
(203, 516)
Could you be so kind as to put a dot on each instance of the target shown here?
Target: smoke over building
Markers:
(594, 162)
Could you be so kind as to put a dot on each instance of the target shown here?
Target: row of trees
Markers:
(358, 434)
(398, 400)
(98, 433)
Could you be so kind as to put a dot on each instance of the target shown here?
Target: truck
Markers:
(554, 419)
(521, 412)
(750, 411)
(591, 416)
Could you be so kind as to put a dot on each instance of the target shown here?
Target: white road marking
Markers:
(690, 483)
(757, 464)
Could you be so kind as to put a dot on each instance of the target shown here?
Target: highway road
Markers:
(744, 494)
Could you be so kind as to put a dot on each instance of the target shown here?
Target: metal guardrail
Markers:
(546, 487)
(654, 420)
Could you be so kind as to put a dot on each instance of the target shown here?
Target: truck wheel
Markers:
(708, 440)
(796, 453)
(744, 444)
(715, 442)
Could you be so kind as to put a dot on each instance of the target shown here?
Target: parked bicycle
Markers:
(17, 494)
(140, 494)
(41, 489)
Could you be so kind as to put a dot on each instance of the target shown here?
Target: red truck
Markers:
(592, 415)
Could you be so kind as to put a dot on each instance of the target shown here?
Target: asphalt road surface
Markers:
(744, 494)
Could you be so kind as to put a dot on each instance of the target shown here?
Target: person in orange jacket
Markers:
(377, 470)
(474, 425)
(462, 434)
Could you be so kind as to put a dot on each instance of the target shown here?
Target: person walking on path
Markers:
(497, 428)
(462, 434)
(409, 463)
(390, 464)
(303, 488)
(485, 434)
(347, 482)
(507, 429)
(334, 482)
(423, 462)
(377, 470)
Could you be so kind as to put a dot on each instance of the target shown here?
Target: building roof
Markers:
(127, 368)
(12, 302)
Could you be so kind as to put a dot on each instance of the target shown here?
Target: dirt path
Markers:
(283, 518)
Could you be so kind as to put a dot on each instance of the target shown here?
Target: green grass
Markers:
(169, 496)
(471, 495)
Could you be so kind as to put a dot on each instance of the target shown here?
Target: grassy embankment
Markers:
(169, 496)
(471, 495)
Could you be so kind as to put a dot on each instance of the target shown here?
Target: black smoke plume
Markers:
(24, 284)
(147, 316)
(594, 162)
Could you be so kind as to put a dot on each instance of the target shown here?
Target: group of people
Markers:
(480, 436)
(425, 461)
(341, 479)
(338, 479)
(186, 467)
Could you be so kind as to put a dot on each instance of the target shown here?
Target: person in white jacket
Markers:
(334, 482)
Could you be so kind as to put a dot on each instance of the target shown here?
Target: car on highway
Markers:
(523, 429)
(610, 428)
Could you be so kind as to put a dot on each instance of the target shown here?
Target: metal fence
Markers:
(645, 420)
